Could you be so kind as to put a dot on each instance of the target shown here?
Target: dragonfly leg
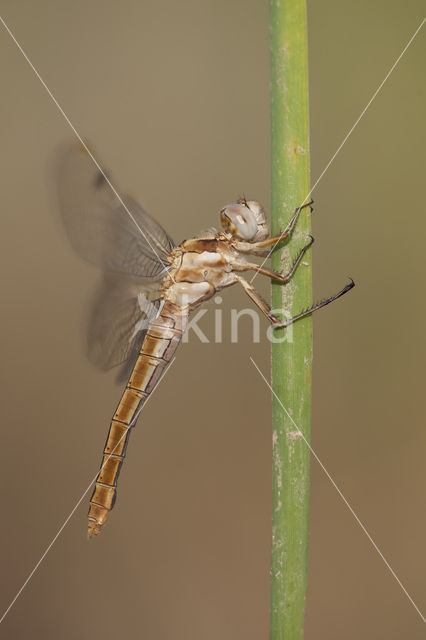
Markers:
(257, 247)
(258, 300)
(275, 275)
(284, 278)
(289, 228)
(316, 306)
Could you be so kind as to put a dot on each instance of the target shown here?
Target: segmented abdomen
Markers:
(161, 341)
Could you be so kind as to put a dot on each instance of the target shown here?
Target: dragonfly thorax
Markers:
(200, 268)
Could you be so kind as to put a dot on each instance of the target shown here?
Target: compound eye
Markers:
(239, 220)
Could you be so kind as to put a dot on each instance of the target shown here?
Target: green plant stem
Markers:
(292, 358)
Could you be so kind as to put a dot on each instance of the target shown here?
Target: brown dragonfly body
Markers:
(150, 287)
(161, 341)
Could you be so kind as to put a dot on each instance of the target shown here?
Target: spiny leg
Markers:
(289, 228)
(287, 231)
(258, 300)
(266, 308)
(316, 306)
(275, 275)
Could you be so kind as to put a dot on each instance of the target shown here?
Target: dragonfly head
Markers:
(245, 220)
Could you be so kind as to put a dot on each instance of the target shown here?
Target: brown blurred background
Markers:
(174, 98)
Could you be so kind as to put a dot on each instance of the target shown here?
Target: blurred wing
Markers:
(208, 233)
(117, 236)
(119, 316)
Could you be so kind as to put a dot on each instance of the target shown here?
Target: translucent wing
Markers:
(208, 233)
(131, 249)
(119, 316)
(118, 236)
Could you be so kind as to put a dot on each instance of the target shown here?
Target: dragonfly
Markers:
(150, 286)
